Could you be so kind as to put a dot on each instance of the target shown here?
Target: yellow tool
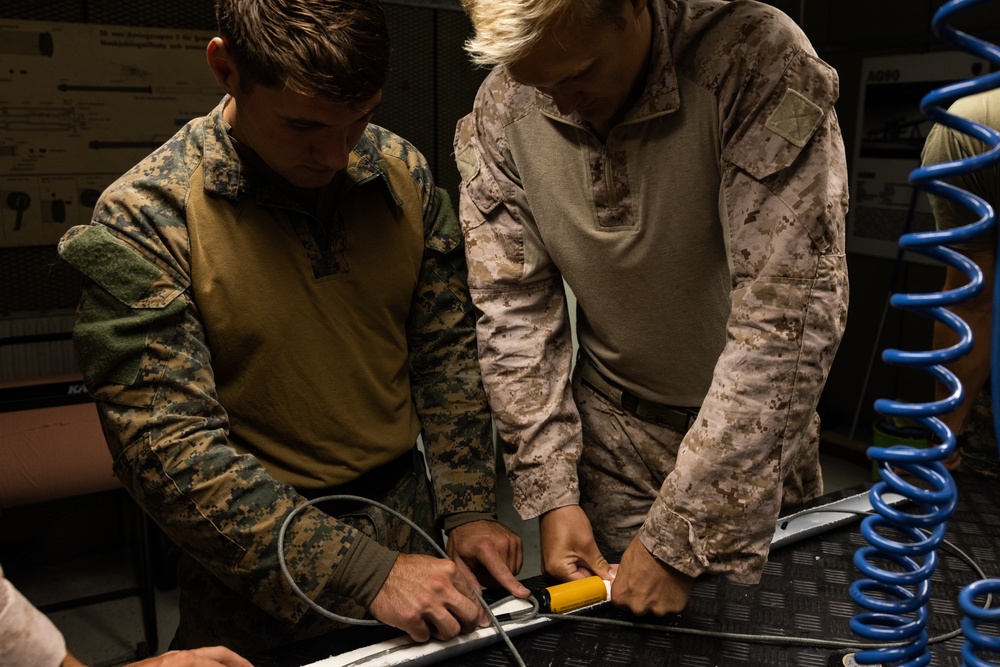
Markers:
(564, 598)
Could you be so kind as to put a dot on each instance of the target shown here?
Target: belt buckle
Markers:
(688, 420)
(630, 402)
(673, 418)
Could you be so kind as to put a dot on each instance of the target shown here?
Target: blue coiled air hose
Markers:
(895, 599)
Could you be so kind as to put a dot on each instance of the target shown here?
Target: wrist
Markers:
(452, 521)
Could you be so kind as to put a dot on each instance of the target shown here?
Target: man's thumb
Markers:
(599, 564)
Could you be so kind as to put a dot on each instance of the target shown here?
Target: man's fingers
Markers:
(223, 656)
(469, 610)
(498, 569)
(445, 626)
(599, 564)
(492, 551)
(469, 575)
(208, 656)
(466, 613)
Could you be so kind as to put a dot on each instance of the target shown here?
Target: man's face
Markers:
(305, 139)
(589, 70)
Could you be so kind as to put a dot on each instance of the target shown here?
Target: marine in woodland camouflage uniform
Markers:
(277, 309)
(150, 362)
(703, 238)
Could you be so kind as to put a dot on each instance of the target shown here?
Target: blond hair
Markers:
(505, 30)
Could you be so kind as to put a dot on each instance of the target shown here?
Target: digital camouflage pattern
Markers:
(779, 197)
(146, 359)
(211, 613)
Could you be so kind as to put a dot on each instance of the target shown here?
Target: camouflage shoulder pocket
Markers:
(127, 298)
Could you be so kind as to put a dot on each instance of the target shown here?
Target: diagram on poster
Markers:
(79, 105)
(891, 133)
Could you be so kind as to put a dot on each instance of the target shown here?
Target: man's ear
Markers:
(222, 64)
(637, 8)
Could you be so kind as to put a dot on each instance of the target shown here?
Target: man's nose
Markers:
(332, 152)
(566, 101)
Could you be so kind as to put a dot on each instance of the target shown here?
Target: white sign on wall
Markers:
(79, 105)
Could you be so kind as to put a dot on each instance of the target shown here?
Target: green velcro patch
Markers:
(108, 262)
(795, 118)
(110, 339)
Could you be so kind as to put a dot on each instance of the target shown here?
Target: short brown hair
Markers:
(334, 49)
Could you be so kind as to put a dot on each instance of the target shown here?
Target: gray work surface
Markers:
(803, 593)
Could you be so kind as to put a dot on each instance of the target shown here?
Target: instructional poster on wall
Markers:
(890, 135)
(79, 105)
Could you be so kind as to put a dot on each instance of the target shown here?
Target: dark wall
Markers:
(432, 85)
(844, 33)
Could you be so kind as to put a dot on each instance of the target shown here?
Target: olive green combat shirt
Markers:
(704, 242)
(242, 351)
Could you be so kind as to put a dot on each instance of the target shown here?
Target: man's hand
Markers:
(493, 550)
(428, 597)
(210, 656)
(568, 547)
(644, 585)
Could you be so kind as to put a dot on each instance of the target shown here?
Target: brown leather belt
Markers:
(675, 417)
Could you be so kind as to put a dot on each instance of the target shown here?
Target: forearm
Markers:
(738, 464)
(526, 356)
(445, 379)
(455, 418)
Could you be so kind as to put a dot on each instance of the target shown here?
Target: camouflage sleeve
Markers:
(143, 352)
(525, 342)
(784, 200)
(446, 383)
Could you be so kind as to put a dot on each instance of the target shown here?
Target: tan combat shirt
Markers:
(946, 145)
(739, 83)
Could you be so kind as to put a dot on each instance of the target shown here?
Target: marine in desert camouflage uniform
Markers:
(678, 163)
(276, 309)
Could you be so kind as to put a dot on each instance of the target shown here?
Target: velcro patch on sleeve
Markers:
(468, 163)
(795, 118)
(95, 252)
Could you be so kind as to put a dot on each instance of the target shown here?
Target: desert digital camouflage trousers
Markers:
(623, 464)
(212, 614)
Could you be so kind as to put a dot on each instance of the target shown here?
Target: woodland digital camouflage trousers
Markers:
(212, 614)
